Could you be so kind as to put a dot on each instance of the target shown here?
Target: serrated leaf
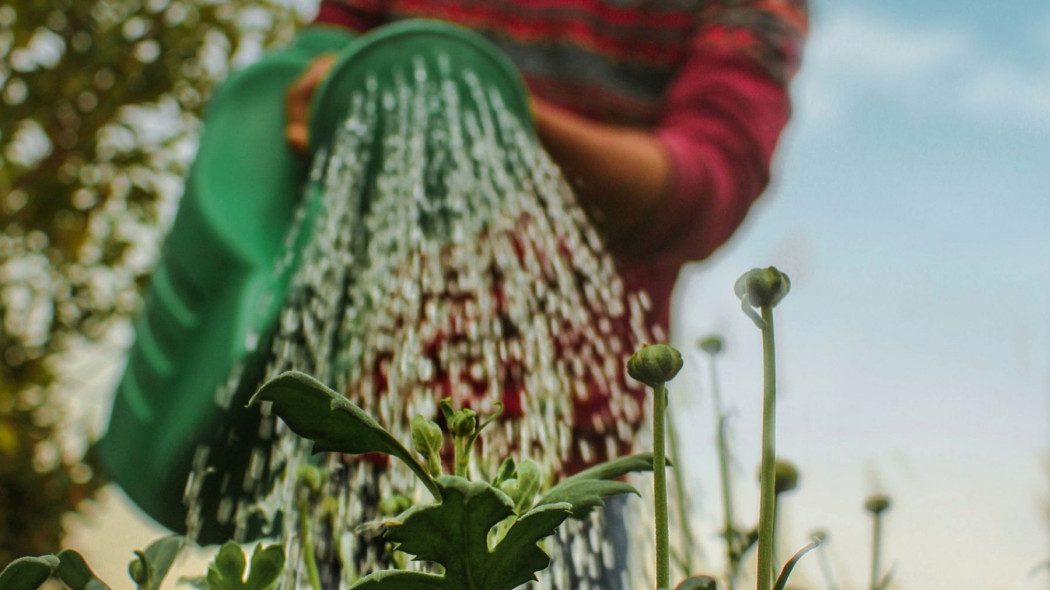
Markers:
(28, 573)
(697, 583)
(334, 423)
(587, 489)
(785, 573)
(227, 570)
(158, 558)
(75, 572)
(454, 534)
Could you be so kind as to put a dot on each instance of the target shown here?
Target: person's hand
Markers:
(297, 102)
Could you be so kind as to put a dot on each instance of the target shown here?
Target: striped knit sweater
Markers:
(709, 77)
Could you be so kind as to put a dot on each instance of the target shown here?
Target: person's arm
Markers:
(684, 186)
(620, 174)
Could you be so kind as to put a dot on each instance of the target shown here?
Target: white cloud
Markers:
(857, 54)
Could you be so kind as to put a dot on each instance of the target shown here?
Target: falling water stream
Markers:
(449, 260)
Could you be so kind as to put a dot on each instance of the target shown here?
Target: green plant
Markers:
(147, 570)
(737, 542)
(655, 366)
(484, 534)
(764, 289)
(877, 505)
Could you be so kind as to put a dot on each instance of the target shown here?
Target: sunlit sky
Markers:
(910, 207)
(911, 210)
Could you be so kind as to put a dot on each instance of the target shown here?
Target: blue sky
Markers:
(911, 208)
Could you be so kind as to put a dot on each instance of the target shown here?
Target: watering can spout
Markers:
(202, 336)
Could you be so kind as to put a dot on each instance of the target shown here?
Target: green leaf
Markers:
(230, 562)
(454, 534)
(28, 573)
(785, 573)
(227, 571)
(697, 583)
(267, 566)
(75, 572)
(155, 561)
(335, 424)
(400, 580)
(586, 490)
(616, 468)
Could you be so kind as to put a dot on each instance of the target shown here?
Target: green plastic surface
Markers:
(213, 301)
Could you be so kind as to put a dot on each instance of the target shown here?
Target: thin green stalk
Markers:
(679, 484)
(663, 560)
(727, 492)
(462, 457)
(876, 540)
(767, 506)
(775, 545)
(307, 540)
(825, 568)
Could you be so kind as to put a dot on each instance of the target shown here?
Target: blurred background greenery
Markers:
(100, 106)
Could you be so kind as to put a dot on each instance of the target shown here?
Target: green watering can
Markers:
(214, 298)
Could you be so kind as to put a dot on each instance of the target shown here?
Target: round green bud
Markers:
(762, 287)
(877, 504)
(463, 423)
(654, 365)
(819, 536)
(785, 477)
(698, 583)
(712, 344)
(309, 477)
(394, 505)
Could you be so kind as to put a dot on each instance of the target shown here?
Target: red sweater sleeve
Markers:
(359, 16)
(720, 121)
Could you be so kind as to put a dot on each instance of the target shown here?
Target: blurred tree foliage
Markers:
(100, 104)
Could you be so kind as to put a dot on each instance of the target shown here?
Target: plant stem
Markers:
(683, 518)
(663, 561)
(825, 567)
(767, 506)
(727, 492)
(876, 540)
(307, 541)
(775, 544)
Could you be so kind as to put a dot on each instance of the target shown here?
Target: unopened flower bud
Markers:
(785, 476)
(310, 478)
(529, 481)
(654, 365)
(877, 504)
(463, 423)
(394, 505)
(712, 344)
(426, 436)
(762, 287)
